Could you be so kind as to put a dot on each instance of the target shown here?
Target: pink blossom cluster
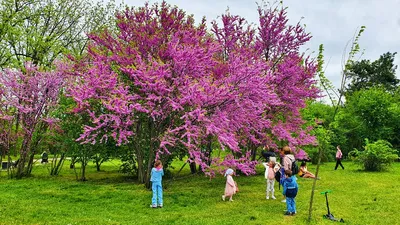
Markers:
(27, 98)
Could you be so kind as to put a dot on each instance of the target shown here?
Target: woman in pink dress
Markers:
(230, 186)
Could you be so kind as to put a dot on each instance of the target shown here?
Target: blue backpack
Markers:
(291, 191)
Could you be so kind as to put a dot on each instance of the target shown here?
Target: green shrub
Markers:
(377, 156)
(313, 154)
(323, 136)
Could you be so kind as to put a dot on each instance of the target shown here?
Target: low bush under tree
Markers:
(377, 156)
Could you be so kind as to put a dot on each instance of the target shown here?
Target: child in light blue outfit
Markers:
(156, 178)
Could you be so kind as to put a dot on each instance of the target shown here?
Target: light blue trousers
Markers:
(291, 205)
(157, 194)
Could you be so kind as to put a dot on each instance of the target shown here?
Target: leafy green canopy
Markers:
(42, 31)
(365, 74)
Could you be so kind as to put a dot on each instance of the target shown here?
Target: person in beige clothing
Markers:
(287, 161)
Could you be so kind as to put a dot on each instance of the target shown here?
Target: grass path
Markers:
(111, 198)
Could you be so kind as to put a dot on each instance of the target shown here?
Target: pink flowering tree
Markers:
(288, 76)
(161, 84)
(27, 99)
(292, 75)
(249, 90)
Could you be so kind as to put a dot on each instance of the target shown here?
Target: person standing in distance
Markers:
(339, 156)
(156, 178)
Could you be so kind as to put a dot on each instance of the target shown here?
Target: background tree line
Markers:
(368, 114)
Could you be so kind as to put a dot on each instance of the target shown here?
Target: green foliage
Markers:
(42, 31)
(372, 108)
(371, 114)
(129, 161)
(324, 137)
(365, 74)
(317, 112)
(354, 50)
(377, 156)
(394, 110)
(348, 131)
(106, 151)
(71, 126)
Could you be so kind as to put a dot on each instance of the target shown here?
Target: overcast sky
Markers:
(330, 22)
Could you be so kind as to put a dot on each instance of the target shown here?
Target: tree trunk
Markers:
(209, 150)
(83, 169)
(314, 184)
(21, 161)
(149, 167)
(150, 163)
(145, 145)
(33, 146)
(1, 160)
(20, 167)
(253, 151)
(98, 163)
(25, 149)
(53, 163)
(153, 144)
(2, 154)
(10, 172)
(139, 152)
(16, 133)
(193, 169)
(57, 165)
(83, 175)
(28, 169)
(73, 161)
(141, 169)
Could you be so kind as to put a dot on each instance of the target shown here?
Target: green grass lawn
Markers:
(112, 198)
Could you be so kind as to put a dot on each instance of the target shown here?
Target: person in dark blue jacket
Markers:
(156, 178)
(290, 189)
